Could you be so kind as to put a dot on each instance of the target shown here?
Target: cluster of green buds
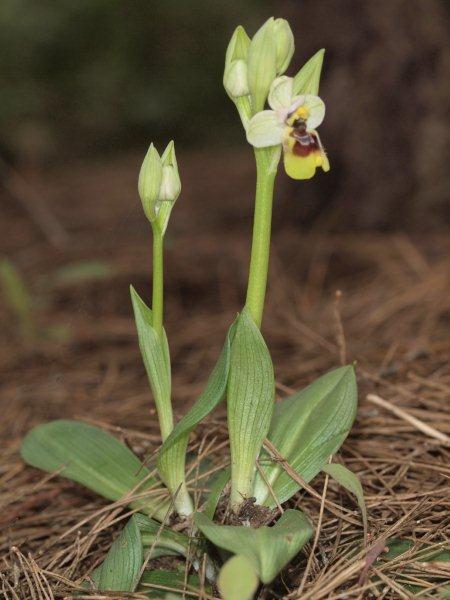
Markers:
(251, 65)
(159, 185)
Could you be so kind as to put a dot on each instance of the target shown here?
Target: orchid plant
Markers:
(275, 447)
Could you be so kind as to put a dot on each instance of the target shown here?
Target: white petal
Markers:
(264, 129)
(316, 109)
(280, 94)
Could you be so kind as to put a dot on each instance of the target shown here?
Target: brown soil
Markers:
(392, 318)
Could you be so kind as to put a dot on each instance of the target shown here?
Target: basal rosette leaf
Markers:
(268, 549)
(237, 579)
(94, 458)
(306, 429)
(120, 570)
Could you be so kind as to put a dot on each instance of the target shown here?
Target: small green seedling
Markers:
(274, 447)
(18, 298)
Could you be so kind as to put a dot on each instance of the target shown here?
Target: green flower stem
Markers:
(158, 285)
(266, 170)
(172, 467)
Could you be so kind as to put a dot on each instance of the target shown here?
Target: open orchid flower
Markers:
(292, 122)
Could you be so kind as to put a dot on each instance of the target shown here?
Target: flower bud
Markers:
(170, 186)
(150, 177)
(262, 64)
(235, 79)
(235, 73)
(284, 41)
(170, 183)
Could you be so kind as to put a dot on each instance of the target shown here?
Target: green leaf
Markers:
(307, 79)
(156, 361)
(16, 294)
(250, 402)
(237, 579)
(307, 428)
(268, 549)
(161, 541)
(121, 568)
(208, 400)
(215, 492)
(82, 272)
(396, 548)
(90, 456)
(423, 552)
(156, 584)
(351, 483)
(157, 364)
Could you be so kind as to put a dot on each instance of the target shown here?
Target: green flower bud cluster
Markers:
(251, 65)
(159, 185)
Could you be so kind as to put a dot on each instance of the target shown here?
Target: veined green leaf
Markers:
(170, 584)
(209, 399)
(268, 549)
(161, 541)
(237, 579)
(156, 361)
(155, 355)
(307, 428)
(90, 456)
(250, 402)
(120, 570)
(307, 79)
(351, 483)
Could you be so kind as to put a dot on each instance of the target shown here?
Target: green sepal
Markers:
(307, 428)
(94, 458)
(268, 549)
(262, 64)
(307, 79)
(250, 402)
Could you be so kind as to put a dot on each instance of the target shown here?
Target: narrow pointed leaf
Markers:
(250, 402)
(155, 355)
(120, 570)
(268, 549)
(207, 401)
(94, 458)
(215, 492)
(156, 361)
(307, 79)
(306, 429)
(351, 483)
(237, 579)
(170, 584)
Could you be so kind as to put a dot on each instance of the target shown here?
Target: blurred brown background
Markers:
(83, 81)
(86, 85)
